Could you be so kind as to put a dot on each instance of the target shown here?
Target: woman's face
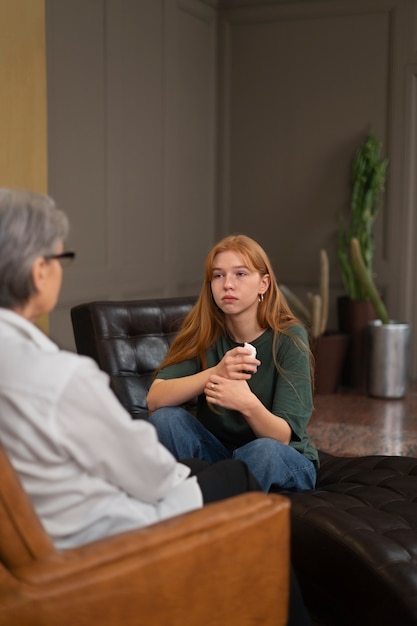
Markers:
(234, 286)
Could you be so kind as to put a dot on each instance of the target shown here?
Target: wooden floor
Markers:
(351, 423)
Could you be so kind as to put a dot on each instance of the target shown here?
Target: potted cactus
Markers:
(369, 171)
(366, 281)
(355, 309)
(315, 313)
(328, 348)
(389, 341)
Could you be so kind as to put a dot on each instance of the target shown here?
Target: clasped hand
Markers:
(227, 385)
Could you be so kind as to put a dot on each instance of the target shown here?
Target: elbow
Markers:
(288, 435)
(153, 399)
(151, 403)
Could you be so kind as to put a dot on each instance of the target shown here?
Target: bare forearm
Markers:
(176, 391)
(266, 424)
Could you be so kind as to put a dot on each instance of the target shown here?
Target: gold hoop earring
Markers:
(261, 298)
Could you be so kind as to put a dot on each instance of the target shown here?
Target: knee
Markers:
(167, 414)
(158, 416)
(262, 447)
(161, 414)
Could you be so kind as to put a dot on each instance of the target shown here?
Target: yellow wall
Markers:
(23, 129)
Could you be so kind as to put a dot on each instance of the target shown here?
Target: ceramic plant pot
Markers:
(329, 353)
(354, 316)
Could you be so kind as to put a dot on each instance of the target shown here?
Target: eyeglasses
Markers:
(65, 258)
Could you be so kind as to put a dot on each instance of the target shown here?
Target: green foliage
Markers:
(369, 171)
(367, 282)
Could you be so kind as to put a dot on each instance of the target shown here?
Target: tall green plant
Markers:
(367, 281)
(369, 171)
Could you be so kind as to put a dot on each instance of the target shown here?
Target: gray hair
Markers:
(30, 226)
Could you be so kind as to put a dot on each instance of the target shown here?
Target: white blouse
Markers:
(89, 469)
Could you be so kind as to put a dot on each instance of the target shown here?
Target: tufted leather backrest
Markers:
(129, 339)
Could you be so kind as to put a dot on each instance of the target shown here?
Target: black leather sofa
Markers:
(354, 541)
(354, 537)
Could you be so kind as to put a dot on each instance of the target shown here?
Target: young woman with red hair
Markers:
(246, 357)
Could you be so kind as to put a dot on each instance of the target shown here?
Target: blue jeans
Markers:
(271, 462)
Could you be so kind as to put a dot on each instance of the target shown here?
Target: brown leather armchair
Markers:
(227, 563)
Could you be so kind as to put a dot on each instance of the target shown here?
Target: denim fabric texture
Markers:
(274, 464)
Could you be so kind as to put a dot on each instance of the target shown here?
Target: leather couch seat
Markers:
(354, 541)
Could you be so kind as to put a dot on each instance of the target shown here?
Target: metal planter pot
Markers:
(388, 359)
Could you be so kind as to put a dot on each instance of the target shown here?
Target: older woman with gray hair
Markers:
(31, 232)
(89, 469)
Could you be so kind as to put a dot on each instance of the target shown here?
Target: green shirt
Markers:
(286, 394)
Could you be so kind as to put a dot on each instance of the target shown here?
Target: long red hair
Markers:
(205, 323)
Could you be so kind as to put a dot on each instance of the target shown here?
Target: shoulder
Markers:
(298, 331)
(70, 364)
(294, 338)
(63, 370)
(45, 374)
(71, 361)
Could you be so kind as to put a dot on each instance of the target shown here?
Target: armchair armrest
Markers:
(227, 563)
